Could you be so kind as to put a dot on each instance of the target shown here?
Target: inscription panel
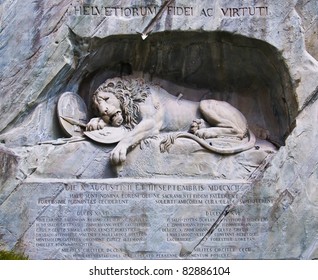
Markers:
(245, 10)
(119, 220)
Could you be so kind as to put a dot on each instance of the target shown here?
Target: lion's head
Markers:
(129, 93)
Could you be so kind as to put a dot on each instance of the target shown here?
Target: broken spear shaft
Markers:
(152, 23)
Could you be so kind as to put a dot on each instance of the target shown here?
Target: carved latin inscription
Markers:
(98, 220)
(176, 11)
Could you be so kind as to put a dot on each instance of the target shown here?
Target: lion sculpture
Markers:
(146, 110)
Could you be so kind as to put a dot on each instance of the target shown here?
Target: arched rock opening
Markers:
(248, 73)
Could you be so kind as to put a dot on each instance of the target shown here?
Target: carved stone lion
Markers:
(146, 110)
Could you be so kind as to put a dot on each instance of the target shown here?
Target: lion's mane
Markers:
(130, 93)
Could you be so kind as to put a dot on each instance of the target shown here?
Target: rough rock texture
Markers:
(260, 56)
(187, 158)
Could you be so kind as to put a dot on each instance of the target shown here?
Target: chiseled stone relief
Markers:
(129, 111)
(159, 129)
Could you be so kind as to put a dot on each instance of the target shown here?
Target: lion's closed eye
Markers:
(100, 99)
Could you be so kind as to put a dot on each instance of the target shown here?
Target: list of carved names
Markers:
(96, 220)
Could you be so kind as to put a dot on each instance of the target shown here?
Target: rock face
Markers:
(74, 203)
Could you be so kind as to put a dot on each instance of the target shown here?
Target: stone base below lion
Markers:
(186, 158)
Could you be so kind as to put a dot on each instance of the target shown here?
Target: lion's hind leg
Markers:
(224, 120)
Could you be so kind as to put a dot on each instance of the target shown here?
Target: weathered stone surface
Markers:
(188, 159)
(307, 12)
(9, 162)
(259, 56)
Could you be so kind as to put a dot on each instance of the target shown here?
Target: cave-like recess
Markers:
(248, 73)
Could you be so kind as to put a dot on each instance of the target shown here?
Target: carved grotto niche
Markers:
(246, 73)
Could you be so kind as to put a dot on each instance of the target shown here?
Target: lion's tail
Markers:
(167, 143)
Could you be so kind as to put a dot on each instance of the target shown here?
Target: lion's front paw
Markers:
(95, 124)
(118, 154)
